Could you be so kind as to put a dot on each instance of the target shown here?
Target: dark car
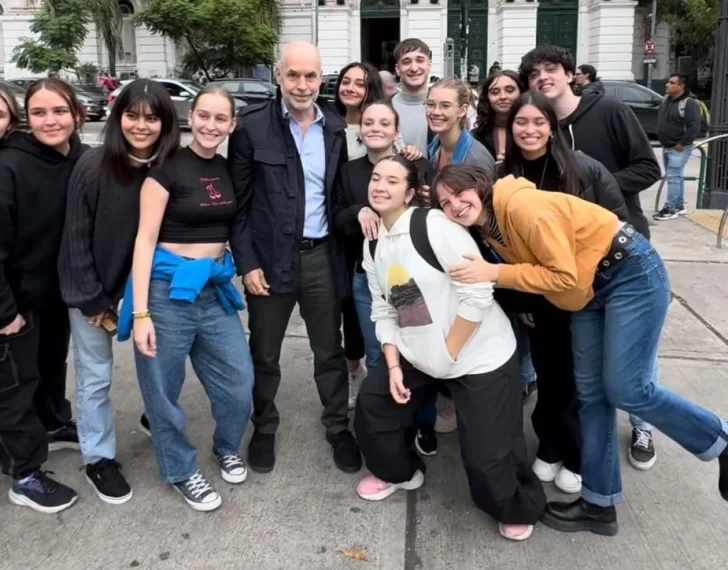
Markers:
(246, 89)
(93, 102)
(643, 101)
(328, 86)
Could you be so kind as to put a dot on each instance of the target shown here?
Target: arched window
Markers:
(128, 33)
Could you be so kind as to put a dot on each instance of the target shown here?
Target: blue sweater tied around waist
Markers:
(187, 278)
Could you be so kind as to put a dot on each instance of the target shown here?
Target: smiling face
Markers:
(464, 208)
(141, 129)
(550, 79)
(531, 130)
(50, 118)
(378, 127)
(502, 93)
(5, 117)
(353, 88)
(211, 120)
(388, 192)
(299, 75)
(443, 110)
(413, 69)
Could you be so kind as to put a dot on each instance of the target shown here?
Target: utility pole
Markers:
(464, 25)
(716, 188)
(653, 33)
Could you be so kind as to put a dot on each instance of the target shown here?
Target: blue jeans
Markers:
(94, 363)
(528, 372)
(363, 303)
(615, 340)
(675, 163)
(373, 350)
(218, 350)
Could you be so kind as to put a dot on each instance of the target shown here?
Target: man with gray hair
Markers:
(389, 83)
(284, 157)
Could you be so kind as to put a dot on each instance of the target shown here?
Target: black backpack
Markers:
(420, 239)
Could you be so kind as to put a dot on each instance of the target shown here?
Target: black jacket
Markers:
(608, 131)
(599, 186)
(595, 86)
(33, 186)
(352, 195)
(484, 136)
(266, 170)
(673, 128)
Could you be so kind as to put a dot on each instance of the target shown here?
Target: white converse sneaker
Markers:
(355, 381)
(546, 472)
(567, 481)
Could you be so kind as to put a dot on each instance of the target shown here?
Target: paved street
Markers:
(305, 513)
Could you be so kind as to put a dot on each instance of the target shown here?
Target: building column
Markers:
(582, 28)
(335, 37)
(611, 38)
(516, 31)
(355, 33)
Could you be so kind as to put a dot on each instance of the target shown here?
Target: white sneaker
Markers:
(567, 481)
(546, 472)
(447, 420)
(355, 381)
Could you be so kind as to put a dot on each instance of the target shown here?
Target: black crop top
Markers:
(202, 205)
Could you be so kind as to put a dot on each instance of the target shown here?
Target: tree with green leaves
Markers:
(60, 27)
(106, 14)
(693, 24)
(221, 36)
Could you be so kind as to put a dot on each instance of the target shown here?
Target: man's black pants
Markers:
(321, 312)
(490, 429)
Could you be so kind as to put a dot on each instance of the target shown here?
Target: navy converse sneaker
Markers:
(198, 493)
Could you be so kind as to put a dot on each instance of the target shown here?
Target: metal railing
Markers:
(700, 178)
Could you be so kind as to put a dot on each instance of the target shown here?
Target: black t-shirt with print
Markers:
(202, 205)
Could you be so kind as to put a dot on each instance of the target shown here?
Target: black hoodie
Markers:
(33, 185)
(608, 131)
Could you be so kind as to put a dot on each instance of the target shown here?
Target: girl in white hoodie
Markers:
(433, 329)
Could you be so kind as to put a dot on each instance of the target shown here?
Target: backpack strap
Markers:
(372, 247)
(420, 239)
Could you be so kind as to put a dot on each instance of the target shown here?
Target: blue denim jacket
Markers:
(187, 278)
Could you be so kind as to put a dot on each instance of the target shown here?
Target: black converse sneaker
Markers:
(65, 437)
(642, 453)
(42, 494)
(198, 493)
(232, 467)
(665, 214)
(108, 482)
(426, 441)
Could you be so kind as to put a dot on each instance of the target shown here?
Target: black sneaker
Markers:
(144, 425)
(65, 437)
(680, 210)
(642, 453)
(262, 452)
(528, 390)
(232, 467)
(346, 451)
(665, 214)
(198, 493)
(42, 494)
(108, 482)
(426, 441)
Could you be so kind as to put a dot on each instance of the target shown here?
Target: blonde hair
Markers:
(462, 90)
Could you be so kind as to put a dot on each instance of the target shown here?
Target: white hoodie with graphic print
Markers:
(414, 305)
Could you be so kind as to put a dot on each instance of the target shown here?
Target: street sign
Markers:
(649, 60)
(650, 46)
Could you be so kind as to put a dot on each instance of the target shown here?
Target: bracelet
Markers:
(141, 315)
(395, 366)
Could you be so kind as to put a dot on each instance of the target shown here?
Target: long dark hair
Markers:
(556, 147)
(485, 112)
(372, 80)
(138, 96)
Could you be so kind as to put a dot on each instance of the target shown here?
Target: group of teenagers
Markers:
(453, 258)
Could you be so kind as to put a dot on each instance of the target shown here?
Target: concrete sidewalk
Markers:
(305, 513)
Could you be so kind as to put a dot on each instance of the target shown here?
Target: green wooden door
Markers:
(558, 24)
(477, 36)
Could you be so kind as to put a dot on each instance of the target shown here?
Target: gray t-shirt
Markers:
(412, 120)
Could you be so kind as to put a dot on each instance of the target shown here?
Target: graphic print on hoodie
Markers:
(608, 131)
(406, 297)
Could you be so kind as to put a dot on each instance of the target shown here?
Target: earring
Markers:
(551, 137)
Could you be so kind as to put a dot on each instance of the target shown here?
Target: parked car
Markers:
(246, 89)
(643, 101)
(93, 102)
(328, 86)
(182, 92)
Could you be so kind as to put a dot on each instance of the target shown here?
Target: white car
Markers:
(182, 92)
